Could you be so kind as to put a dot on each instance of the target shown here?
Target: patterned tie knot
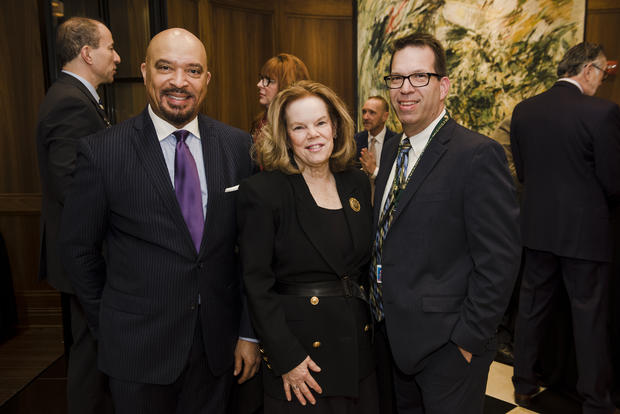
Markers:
(405, 145)
(181, 135)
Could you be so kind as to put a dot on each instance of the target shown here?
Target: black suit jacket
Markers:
(361, 139)
(281, 240)
(566, 148)
(141, 295)
(451, 255)
(68, 112)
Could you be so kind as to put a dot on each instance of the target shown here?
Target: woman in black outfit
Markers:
(305, 238)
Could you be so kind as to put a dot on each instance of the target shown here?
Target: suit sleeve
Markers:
(82, 230)
(491, 220)
(72, 120)
(514, 146)
(606, 145)
(257, 221)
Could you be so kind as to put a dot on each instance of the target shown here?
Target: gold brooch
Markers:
(355, 205)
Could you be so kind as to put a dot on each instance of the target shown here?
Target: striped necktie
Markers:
(385, 221)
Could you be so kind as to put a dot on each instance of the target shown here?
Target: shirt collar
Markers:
(424, 135)
(164, 129)
(574, 82)
(86, 83)
(379, 137)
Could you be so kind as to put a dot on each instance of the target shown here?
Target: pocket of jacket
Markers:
(442, 303)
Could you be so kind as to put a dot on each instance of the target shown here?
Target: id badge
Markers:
(379, 274)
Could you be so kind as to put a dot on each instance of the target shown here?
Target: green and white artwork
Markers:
(499, 51)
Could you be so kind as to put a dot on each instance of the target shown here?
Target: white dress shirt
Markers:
(574, 82)
(380, 137)
(418, 144)
(168, 143)
(86, 83)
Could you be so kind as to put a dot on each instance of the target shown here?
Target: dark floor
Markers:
(44, 395)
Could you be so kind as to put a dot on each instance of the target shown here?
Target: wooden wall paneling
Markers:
(129, 24)
(129, 99)
(22, 91)
(241, 42)
(325, 44)
(185, 14)
(20, 95)
(603, 26)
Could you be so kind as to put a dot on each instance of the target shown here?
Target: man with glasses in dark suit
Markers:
(447, 245)
(566, 147)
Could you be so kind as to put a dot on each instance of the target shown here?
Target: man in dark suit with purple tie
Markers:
(157, 193)
(72, 110)
(566, 147)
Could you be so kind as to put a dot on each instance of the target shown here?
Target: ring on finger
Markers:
(295, 387)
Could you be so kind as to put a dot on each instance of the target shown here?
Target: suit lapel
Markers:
(149, 152)
(309, 216)
(350, 198)
(78, 84)
(388, 156)
(429, 158)
(213, 172)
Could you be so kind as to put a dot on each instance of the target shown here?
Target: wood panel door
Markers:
(603, 26)
(240, 35)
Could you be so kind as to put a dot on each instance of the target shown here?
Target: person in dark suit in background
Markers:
(447, 246)
(566, 147)
(305, 238)
(164, 300)
(370, 141)
(71, 110)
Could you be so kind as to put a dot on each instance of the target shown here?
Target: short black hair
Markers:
(421, 39)
(577, 57)
(73, 35)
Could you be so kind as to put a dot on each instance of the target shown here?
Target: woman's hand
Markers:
(300, 381)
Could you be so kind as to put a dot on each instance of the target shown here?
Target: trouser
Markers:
(196, 390)
(587, 284)
(87, 387)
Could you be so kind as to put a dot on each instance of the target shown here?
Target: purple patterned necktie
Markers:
(187, 188)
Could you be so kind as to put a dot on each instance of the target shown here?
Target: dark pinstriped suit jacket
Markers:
(141, 294)
(68, 113)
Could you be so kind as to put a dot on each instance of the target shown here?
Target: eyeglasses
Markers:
(265, 80)
(417, 80)
(605, 74)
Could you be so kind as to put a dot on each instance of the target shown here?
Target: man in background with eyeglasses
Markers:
(566, 147)
(447, 246)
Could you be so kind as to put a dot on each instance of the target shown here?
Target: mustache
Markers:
(177, 90)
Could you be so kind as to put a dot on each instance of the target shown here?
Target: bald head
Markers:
(175, 75)
(177, 39)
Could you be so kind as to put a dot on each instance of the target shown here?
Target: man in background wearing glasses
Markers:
(447, 246)
(566, 147)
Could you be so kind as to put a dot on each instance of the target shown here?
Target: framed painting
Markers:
(499, 52)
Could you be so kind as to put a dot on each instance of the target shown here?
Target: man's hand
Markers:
(248, 358)
(369, 163)
(466, 354)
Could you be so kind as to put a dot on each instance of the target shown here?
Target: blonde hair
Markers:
(272, 149)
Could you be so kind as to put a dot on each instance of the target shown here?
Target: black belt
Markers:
(343, 287)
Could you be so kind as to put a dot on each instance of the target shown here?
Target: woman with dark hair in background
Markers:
(305, 237)
(278, 73)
